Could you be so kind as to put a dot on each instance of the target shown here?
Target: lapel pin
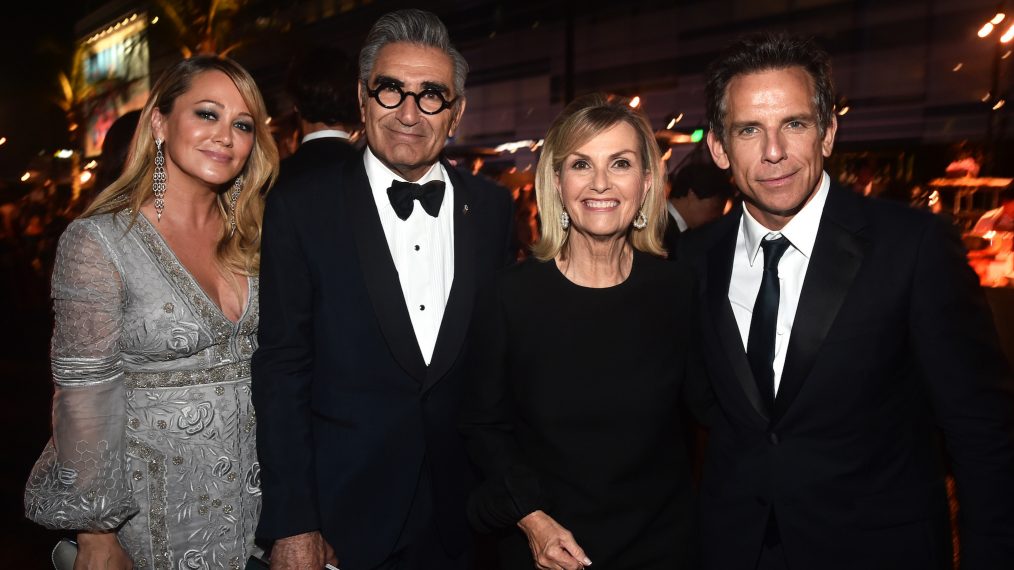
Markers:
(464, 211)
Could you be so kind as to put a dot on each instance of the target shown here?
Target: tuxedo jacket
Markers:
(315, 154)
(348, 412)
(671, 237)
(892, 340)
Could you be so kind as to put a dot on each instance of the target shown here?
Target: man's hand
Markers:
(100, 551)
(303, 551)
(553, 547)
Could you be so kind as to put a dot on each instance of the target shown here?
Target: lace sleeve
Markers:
(79, 482)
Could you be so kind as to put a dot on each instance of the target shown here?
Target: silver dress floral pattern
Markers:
(153, 428)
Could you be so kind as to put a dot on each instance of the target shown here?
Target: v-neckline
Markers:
(199, 294)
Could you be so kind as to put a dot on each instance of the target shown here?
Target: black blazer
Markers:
(347, 409)
(892, 338)
(315, 154)
(671, 237)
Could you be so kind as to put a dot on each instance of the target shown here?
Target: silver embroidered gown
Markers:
(152, 422)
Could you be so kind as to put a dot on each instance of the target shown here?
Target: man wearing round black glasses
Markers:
(369, 271)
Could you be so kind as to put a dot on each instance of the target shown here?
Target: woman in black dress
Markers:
(581, 359)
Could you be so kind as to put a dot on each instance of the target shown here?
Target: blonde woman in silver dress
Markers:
(153, 459)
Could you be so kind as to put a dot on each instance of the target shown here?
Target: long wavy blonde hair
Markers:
(239, 251)
(580, 122)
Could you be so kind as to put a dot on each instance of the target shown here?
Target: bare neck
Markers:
(596, 263)
(191, 207)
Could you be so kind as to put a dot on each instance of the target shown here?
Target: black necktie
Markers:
(760, 346)
(404, 194)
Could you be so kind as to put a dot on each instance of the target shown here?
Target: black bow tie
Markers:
(403, 194)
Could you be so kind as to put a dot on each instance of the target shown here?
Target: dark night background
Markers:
(37, 42)
(36, 39)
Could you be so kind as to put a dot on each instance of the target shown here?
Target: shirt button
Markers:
(417, 248)
(422, 307)
(773, 438)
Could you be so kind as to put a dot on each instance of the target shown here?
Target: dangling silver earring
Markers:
(158, 180)
(564, 219)
(237, 187)
(641, 221)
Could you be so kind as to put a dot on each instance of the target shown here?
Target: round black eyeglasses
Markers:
(391, 96)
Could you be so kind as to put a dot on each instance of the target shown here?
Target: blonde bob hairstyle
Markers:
(582, 120)
(238, 251)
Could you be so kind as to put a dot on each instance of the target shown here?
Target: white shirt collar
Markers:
(381, 176)
(680, 222)
(326, 133)
(801, 231)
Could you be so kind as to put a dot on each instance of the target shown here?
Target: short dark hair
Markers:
(322, 83)
(704, 179)
(768, 51)
(115, 147)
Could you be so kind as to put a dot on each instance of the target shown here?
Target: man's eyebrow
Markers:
(426, 85)
(736, 125)
(803, 118)
(436, 86)
(386, 79)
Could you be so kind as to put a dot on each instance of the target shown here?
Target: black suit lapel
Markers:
(457, 313)
(379, 271)
(720, 260)
(837, 255)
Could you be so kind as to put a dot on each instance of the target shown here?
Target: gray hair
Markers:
(416, 27)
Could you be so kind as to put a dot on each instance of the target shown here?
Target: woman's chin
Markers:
(598, 233)
(217, 181)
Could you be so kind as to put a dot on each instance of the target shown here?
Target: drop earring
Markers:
(158, 180)
(641, 221)
(237, 187)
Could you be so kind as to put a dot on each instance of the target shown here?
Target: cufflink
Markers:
(464, 211)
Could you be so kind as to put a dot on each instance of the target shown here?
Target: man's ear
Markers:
(827, 143)
(363, 101)
(458, 111)
(717, 149)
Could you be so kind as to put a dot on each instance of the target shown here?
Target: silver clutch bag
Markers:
(64, 554)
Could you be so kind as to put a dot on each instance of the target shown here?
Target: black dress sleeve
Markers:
(511, 488)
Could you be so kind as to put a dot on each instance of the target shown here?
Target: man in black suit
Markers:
(698, 193)
(368, 277)
(322, 83)
(839, 333)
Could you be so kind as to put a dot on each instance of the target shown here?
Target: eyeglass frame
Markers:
(375, 95)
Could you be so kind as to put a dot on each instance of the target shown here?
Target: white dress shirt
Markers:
(422, 247)
(680, 222)
(748, 268)
(326, 134)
